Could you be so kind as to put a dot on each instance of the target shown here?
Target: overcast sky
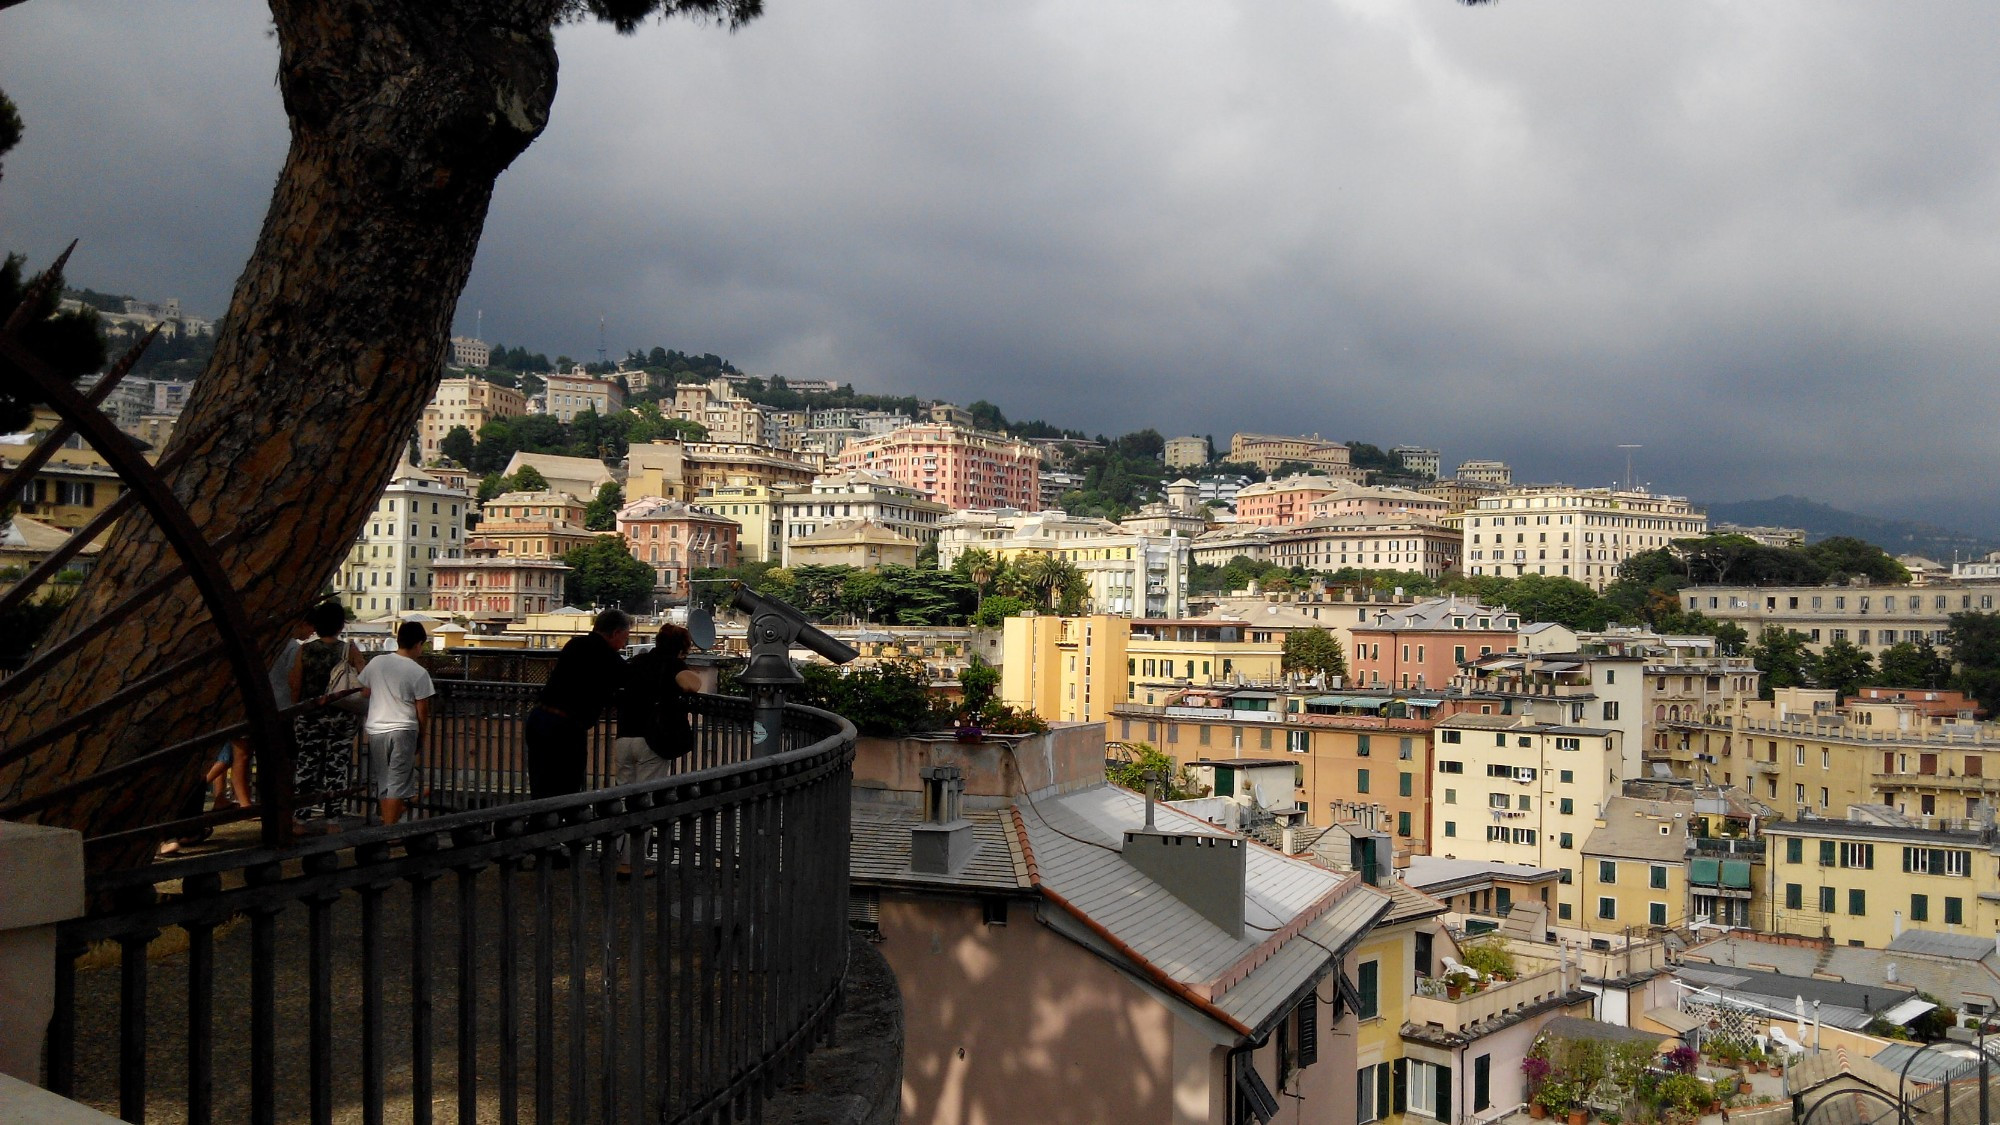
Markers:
(1759, 239)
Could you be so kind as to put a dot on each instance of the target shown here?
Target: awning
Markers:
(1681, 1022)
(1346, 701)
(1424, 702)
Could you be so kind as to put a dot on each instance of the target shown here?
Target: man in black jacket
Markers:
(587, 675)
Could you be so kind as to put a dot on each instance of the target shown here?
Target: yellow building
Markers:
(1403, 947)
(470, 402)
(70, 489)
(1509, 789)
(1634, 868)
(1821, 762)
(755, 508)
(1864, 883)
(688, 471)
(533, 525)
(856, 543)
(1078, 668)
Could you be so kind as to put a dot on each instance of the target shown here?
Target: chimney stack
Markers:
(943, 842)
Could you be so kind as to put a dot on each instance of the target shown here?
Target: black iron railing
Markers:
(486, 964)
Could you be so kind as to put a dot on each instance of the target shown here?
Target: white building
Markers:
(1130, 574)
(567, 396)
(468, 352)
(1580, 533)
(1417, 459)
(854, 496)
(417, 520)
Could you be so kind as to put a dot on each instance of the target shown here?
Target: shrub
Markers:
(1490, 957)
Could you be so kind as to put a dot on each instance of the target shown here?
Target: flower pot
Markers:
(1714, 1108)
(1537, 1110)
(1579, 1116)
(1453, 992)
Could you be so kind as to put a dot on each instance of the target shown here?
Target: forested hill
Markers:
(1823, 521)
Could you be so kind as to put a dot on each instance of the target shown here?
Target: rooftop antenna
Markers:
(479, 324)
(1628, 464)
(600, 344)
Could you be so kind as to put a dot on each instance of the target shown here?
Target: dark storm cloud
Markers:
(1755, 238)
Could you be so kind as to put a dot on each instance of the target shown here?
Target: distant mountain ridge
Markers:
(1822, 521)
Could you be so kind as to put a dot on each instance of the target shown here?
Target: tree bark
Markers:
(403, 113)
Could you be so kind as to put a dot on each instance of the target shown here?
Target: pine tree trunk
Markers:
(403, 113)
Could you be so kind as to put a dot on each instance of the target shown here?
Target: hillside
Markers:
(1820, 521)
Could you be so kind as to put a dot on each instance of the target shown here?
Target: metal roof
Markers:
(1074, 843)
(1969, 947)
(1841, 1003)
(879, 849)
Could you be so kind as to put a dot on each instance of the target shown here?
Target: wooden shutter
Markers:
(1254, 1096)
(1309, 1030)
(1400, 1084)
(1443, 1092)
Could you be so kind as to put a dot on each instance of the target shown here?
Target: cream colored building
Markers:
(1580, 533)
(1129, 574)
(858, 495)
(1362, 501)
(1287, 500)
(1862, 881)
(674, 470)
(466, 401)
(533, 525)
(1510, 790)
(417, 521)
(857, 543)
(721, 409)
(1186, 452)
(1634, 867)
(1480, 471)
(1268, 451)
(570, 395)
(580, 477)
(1869, 617)
(1366, 544)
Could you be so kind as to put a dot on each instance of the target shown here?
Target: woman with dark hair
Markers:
(324, 735)
(653, 725)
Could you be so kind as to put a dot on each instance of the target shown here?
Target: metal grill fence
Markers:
(489, 963)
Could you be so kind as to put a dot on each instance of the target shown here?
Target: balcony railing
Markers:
(490, 953)
(1432, 1003)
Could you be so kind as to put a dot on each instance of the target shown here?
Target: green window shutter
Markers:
(1954, 912)
(1826, 853)
(1367, 976)
(1736, 873)
(1857, 902)
(1658, 875)
(1794, 896)
(1225, 783)
(1826, 903)
(1920, 908)
(1657, 913)
(1795, 850)
(1361, 781)
(1607, 871)
(1402, 824)
(1403, 785)
(1443, 1092)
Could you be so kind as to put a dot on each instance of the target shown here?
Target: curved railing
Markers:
(493, 959)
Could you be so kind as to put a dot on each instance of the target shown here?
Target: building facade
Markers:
(1268, 451)
(1128, 573)
(533, 525)
(1481, 471)
(417, 523)
(493, 591)
(466, 401)
(957, 467)
(1366, 544)
(676, 539)
(1580, 533)
(570, 395)
(1869, 617)
(1186, 452)
(1863, 883)
(855, 496)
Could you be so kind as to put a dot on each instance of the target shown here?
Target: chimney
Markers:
(1205, 872)
(943, 842)
(1895, 926)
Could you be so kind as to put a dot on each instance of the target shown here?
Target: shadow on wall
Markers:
(1014, 1023)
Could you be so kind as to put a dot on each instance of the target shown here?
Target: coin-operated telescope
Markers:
(774, 628)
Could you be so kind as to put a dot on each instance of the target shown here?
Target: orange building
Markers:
(1422, 646)
(675, 539)
(1277, 503)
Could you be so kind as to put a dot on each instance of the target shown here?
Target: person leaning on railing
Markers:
(587, 675)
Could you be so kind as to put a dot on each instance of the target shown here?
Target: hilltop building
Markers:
(1580, 533)
(955, 466)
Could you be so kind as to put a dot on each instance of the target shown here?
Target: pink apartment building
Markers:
(1422, 646)
(676, 539)
(953, 465)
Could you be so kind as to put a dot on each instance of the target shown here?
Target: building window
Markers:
(1659, 877)
(1565, 840)
(1367, 981)
(1361, 746)
(1451, 828)
(1566, 806)
(1562, 912)
(1857, 902)
(1656, 913)
(1920, 908)
(1403, 784)
(1361, 781)
(1607, 907)
(1826, 900)
(1954, 911)
(1860, 856)
(1402, 824)
(1794, 896)
(1482, 1083)
(1607, 871)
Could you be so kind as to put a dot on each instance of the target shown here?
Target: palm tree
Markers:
(979, 565)
(1054, 580)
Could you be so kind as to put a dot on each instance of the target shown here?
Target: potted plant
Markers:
(1456, 982)
(1560, 1098)
(1682, 1060)
(1535, 1070)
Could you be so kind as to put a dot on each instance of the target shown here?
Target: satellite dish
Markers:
(701, 627)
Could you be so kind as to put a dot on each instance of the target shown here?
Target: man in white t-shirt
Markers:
(399, 710)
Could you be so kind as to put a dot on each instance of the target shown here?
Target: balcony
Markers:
(486, 952)
(1546, 982)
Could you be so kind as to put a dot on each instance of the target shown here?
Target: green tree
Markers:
(528, 479)
(1783, 658)
(601, 514)
(992, 611)
(1141, 765)
(1912, 665)
(459, 445)
(1842, 666)
(604, 573)
(889, 700)
(978, 682)
(1565, 601)
(1974, 639)
(1314, 652)
(67, 341)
